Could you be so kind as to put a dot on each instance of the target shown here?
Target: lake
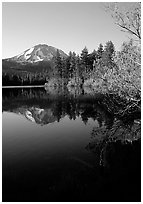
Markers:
(60, 145)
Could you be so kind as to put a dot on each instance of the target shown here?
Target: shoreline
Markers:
(23, 86)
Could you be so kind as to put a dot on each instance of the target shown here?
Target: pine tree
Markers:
(99, 51)
(99, 58)
(64, 71)
(108, 54)
(72, 64)
(84, 60)
(77, 69)
(84, 56)
(92, 60)
(68, 63)
(58, 65)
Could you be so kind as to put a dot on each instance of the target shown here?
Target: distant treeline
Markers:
(15, 74)
(23, 79)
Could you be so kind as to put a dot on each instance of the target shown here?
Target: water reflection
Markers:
(43, 108)
(65, 146)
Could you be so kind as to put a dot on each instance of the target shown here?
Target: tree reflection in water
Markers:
(103, 137)
(57, 105)
(115, 143)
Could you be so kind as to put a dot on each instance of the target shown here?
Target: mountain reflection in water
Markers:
(65, 146)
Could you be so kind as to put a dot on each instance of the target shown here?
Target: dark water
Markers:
(60, 146)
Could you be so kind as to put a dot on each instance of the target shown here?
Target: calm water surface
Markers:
(55, 149)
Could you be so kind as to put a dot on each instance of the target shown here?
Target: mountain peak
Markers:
(40, 52)
(41, 45)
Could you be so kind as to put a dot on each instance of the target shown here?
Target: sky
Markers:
(69, 26)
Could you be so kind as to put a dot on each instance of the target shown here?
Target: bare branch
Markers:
(132, 32)
(129, 19)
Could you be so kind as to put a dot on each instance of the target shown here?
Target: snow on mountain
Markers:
(38, 59)
(27, 53)
(41, 52)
